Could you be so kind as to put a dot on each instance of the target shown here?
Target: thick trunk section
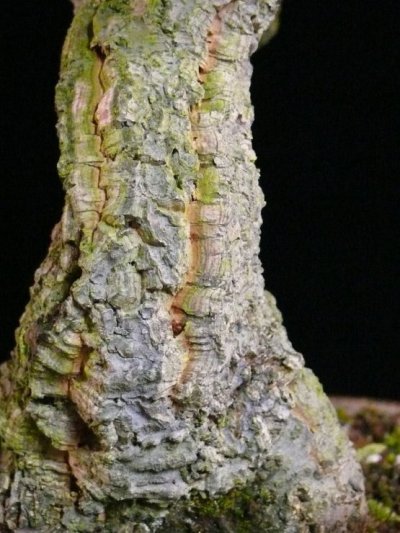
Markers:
(153, 387)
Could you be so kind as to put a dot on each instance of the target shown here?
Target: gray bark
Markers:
(153, 387)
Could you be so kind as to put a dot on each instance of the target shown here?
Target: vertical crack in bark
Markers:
(101, 117)
(193, 208)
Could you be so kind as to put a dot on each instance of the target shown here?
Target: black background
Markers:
(326, 92)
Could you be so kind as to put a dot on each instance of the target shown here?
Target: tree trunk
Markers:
(153, 387)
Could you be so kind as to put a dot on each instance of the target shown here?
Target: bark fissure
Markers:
(179, 316)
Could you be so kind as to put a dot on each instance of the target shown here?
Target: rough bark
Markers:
(153, 387)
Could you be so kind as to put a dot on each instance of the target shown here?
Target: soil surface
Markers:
(374, 428)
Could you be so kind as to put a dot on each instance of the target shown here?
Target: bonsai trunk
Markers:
(153, 387)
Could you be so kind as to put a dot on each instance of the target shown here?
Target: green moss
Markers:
(383, 513)
(376, 433)
(392, 440)
(23, 350)
(244, 509)
(370, 449)
(22, 434)
(214, 84)
(214, 104)
(343, 417)
(382, 478)
(112, 142)
(153, 4)
(222, 422)
(207, 185)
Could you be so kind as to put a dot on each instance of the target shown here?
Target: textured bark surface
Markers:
(153, 387)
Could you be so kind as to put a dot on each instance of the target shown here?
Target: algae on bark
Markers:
(152, 378)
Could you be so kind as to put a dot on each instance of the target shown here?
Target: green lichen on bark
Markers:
(152, 380)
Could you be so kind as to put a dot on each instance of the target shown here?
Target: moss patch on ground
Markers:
(375, 433)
